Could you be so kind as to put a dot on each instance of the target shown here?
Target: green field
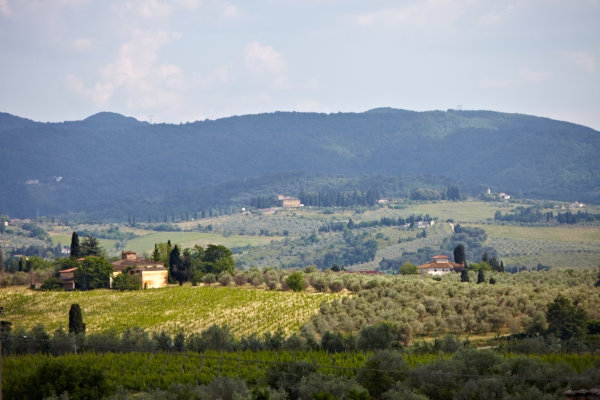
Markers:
(459, 211)
(555, 246)
(144, 244)
(173, 308)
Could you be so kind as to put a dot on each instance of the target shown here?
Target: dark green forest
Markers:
(108, 164)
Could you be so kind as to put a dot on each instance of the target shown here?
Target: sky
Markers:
(186, 60)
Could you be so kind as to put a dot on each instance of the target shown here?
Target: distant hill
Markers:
(108, 161)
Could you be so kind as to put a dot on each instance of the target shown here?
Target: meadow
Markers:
(189, 308)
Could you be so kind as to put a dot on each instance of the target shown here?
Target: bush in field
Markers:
(52, 283)
(295, 281)
(209, 279)
(240, 279)
(376, 337)
(288, 376)
(127, 281)
(336, 285)
(408, 268)
(315, 385)
(225, 279)
(381, 372)
(58, 376)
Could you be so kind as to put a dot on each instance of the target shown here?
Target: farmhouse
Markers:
(67, 278)
(289, 202)
(439, 265)
(153, 273)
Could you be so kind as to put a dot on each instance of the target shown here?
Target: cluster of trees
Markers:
(356, 249)
(533, 214)
(195, 264)
(334, 198)
(470, 237)
(383, 221)
(438, 305)
(89, 246)
(451, 192)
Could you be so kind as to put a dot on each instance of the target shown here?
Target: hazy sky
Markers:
(186, 60)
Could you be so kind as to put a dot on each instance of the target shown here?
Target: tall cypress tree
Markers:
(480, 276)
(459, 254)
(76, 324)
(464, 275)
(75, 247)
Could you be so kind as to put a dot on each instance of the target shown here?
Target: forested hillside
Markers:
(108, 163)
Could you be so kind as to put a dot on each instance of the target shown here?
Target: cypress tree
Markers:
(459, 254)
(480, 276)
(76, 324)
(464, 275)
(75, 247)
(1, 259)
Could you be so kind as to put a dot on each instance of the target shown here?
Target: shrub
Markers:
(127, 281)
(56, 377)
(381, 372)
(52, 283)
(295, 281)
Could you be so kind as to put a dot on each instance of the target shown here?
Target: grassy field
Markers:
(173, 308)
(554, 246)
(472, 211)
(145, 242)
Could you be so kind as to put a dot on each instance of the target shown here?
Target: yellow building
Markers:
(153, 273)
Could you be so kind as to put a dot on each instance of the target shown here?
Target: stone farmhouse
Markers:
(153, 273)
(439, 265)
(288, 202)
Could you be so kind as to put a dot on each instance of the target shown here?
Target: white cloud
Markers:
(5, 9)
(145, 9)
(81, 44)
(529, 75)
(582, 59)
(496, 16)
(428, 14)
(137, 75)
(230, 11)
(265, 62)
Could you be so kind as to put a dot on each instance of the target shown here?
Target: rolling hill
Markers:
(108, 162)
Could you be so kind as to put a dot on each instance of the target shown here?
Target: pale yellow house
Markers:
(153, 273)
(439, 265)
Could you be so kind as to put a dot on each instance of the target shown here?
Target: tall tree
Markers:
(1, 260)
(75, 247)
(464, 275)
(90, 247)
(76, 324)
(218, 259)
(480, 276)
(459, 254)
(566, 320)
(93, 273)
(175, 263)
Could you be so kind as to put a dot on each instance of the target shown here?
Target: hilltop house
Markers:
(67, 278)
(288, 202)
(439, 265)
(153, 273)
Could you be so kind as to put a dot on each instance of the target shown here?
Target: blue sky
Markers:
(187, 60)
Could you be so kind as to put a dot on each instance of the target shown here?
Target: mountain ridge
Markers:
(108, 157)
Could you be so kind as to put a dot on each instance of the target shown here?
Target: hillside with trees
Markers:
(108, 165)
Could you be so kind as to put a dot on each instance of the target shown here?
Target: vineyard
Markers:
(148, 371)
(171, 309)
(556, 246)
